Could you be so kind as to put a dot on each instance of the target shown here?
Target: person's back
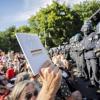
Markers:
(10, 73)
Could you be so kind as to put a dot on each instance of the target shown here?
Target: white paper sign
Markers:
(33, 50)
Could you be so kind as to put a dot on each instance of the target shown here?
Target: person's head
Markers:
(22, 76)
(2, 53)
(24, 90)
(12, 52)
(87, 27)
(78, 37)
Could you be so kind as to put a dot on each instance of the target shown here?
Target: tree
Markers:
(55, 24)
(87, 8)
(23, 29)
(8, 40)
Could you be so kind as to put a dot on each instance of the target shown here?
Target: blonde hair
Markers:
(19, 87)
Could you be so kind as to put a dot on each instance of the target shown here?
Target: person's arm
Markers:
(51, 79)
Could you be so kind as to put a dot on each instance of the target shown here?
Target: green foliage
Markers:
(57, 23)
(23, 29)
(87, 8)
(54, 24)
(8, 40)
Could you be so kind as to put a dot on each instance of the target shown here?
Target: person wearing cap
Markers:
(79, 59)
(97, 50)
(88, 48)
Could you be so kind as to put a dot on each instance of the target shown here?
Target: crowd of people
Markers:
(18, 83)
(84, 51)
(56, 79)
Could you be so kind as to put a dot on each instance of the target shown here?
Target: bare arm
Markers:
(51, 79)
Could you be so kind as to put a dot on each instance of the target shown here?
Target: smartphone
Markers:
(33, 50)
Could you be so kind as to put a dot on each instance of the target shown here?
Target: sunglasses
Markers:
(28, 96)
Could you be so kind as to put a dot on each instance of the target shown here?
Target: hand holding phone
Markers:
(33, 50)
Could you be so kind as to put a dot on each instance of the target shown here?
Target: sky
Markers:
(17, 12)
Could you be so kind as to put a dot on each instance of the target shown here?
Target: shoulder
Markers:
(92, 34)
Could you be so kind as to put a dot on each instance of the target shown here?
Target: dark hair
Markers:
(1, 83)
